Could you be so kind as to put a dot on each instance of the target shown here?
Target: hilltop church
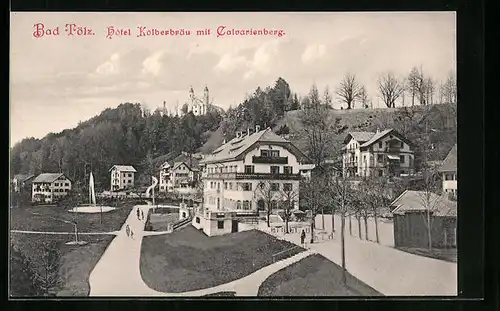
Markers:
(199, 106)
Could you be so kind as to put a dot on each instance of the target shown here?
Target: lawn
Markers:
(41, 218)
(77, 261)
(188, 260)
(446, 254)
(313, 276)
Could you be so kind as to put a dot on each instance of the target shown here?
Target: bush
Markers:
(21, 275)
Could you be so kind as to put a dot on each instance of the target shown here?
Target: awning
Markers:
(393, 157)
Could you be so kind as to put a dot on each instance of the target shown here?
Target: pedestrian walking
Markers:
(127, 229)
(132, 234)
(142, 215)
(302, 237)
(138, 214)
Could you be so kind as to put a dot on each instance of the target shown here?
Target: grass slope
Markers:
(313, 276)
(188, 260)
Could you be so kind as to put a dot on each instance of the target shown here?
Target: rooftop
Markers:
(239, 145)
(47, 177)
(450, 162)
(416, 201)
(124, 168)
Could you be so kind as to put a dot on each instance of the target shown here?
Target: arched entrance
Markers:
(261, 205)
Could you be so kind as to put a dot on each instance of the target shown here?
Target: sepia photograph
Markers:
(257, 154)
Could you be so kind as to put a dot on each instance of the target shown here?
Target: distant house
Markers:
(385, 153)
(181, 175)
(449, 172)
(410, 220)
(305, 170)
(49, 187)
(22, 181)
(122, 176)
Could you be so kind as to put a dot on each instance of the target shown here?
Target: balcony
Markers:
(236, 176)
(270, 160)
(393, 149)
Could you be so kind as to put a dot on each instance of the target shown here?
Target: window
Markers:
(264, 153)
(274, 204)
(402, 144)
(402, 158)
(220, 224)
(123, 181)
(246, 205)
(56, 184)
(129, 175)
(380, 158)
(380, 144)
(230, 186)
(275, 187)
(249, 169)
(274, 153)
(197, 220)
(287, 187)
(275, 169)
(238, 204)
(129, 181)
(246, 186)
(380, 173)
(287, 169)
(225, 185)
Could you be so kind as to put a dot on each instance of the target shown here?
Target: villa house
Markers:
(22, 181)
(386, 153)
(181, 175)
(49, 187)
(449, 172)
(237, 173)
(122, 176)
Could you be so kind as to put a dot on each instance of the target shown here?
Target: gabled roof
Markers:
(23, 177)
(360, 137)
(414, 201)
(47, 177)
(383, 134)
(450, 162)
(238, 146)
(123, 168)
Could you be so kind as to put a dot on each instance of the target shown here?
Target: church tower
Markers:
(191, 94)
(206, 100)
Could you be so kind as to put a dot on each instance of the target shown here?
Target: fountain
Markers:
(92, 207)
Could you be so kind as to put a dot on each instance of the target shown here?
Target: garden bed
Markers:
(446, 254)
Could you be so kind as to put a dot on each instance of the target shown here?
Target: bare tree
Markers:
(288, 199)
(413, 84)
(390, 88)
(430, 89)
(429, 199)
(327, 98)
(47, 266)
(311, 198)
(319, 131)
(341, 190)
(363, 97)
(349, 90)
(265, 192)
(449, 89)
(375, 198)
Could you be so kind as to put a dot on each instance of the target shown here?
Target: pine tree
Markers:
(21, 275)
(47, 275)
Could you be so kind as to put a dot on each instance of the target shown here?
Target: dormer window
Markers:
(380, 144)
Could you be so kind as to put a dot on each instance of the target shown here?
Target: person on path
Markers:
(127, 229)
(138, 214)
(132, 234)
(302, 237)
(142, 215)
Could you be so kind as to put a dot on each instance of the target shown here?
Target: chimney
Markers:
(257, 128)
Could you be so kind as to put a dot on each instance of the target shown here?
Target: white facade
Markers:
(122, 177)
(49, 190)
(198, 106)
(179, 178)
(389, 155)
(234, 185)
(450, 182)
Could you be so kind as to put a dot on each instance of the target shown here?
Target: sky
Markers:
(58, 80)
